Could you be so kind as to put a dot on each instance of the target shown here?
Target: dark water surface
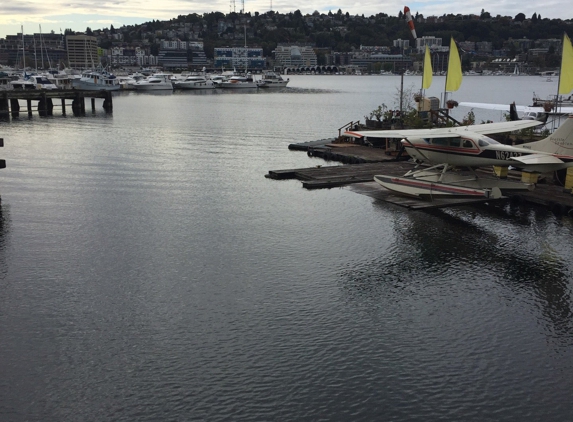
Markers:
(148, 271)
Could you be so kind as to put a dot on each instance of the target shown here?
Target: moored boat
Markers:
(155, 82)
(97, 80)
(239, 82)
(33, 82)
(194, 82)
(272, 79)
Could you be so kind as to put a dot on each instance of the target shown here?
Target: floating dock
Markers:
(360, 178)
(43, 101)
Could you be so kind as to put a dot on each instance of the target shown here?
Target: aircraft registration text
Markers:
(506, 155)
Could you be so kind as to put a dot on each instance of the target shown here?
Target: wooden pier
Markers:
(43, 101)
(360, 178)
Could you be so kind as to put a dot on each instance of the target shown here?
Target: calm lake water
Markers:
(149, 271)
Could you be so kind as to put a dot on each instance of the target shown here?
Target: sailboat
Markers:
(27, 81)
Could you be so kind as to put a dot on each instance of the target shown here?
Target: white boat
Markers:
(194, 82)
(239, 82)
(60, 79)
(155, 82)
(97, 80)
(128, 82)
(33, 82)
(272, 80)
(218, 79)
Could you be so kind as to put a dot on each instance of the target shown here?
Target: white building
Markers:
(294, 55)
(430, 41)
(403, 44)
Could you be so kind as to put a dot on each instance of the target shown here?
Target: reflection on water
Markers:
(474, 245)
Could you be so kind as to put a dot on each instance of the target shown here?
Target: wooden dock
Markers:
(360, 178)
(347, 153)
(43, 101)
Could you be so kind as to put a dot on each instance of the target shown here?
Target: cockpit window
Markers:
(483, 143)
(452, 142)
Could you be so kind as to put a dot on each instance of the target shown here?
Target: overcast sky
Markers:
(56, 15)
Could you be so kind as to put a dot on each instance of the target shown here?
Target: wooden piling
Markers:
(107, 102)
(93, 105)
(15, 107)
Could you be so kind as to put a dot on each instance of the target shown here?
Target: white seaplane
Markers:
(534, 112)
(468, 146)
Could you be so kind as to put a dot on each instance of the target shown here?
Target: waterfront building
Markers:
(429, 41)
(239, 57)
(399, 61)
(197, 53)
(173, 59)
(48, 47)
(120, 57)
(82, 51)
(295, 55)
(400, 43)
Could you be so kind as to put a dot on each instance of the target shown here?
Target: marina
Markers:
(149, 270)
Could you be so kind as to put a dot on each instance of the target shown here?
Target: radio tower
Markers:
(242, 6)
(232, 6)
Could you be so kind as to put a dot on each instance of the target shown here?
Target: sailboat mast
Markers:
(23, 50)
(41, 51)
(35, 55)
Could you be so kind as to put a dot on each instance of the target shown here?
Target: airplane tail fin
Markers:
(513, 112)
(559, 142)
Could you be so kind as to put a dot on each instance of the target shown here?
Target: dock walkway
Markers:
(10, 101)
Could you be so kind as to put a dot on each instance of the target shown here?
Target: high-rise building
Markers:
(82, 51)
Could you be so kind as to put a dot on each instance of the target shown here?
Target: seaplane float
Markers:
(446, 149)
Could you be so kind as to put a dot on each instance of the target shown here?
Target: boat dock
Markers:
(43, 101)
(360, 178)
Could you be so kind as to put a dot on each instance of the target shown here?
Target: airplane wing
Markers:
(519, 108)
(500, 107)
(532, 159)
(446, 132)
(500, 127)
(404, 133)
